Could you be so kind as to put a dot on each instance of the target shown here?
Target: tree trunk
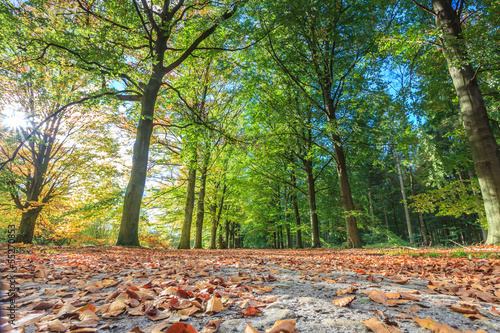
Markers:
(27, 226)
(353, 239)
(484, 148)
(185, 242)
(425, 241)
(213, 231)
(405, 203)
(129, 226)
(385, 217)
(372, 213)
(311, 191)
(201, 208)
(296, 213)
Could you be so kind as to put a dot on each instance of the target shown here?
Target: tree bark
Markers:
(185, 242)
(353, 239)
(129, 226)
(485, 151)
(201, 204)
(311, 191)
(213, 231)
(296, 213)
(405, 203)
(27, 226)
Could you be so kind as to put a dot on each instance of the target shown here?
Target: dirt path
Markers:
(119, 290)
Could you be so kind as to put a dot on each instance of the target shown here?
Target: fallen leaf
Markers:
(378, 296)
(379, 327)
(181, 328)
(283, 326)
(189, 311)
(350, 290)
(342, 302)
(56, 326)
(434, 327)
(214, 305)
(250, 329)
(465, 308)
(251, 311)
(212, 327)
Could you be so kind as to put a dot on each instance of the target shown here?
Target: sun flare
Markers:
(12, 117)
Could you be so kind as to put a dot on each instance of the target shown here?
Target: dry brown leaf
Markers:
(212, 327)
(350, 290)
(189, 311)
(465, 308)
(395, 302)
(495, 311)
(378, 296)
(403, 316)
(379, 327)
(283, 326)
(434, 327)
(56, 326)
(345, 301)
(87, 314)
(30, 318)
(181, 328)
(250, 329)
(393, 295)
(409, 297)
(214, 305)
(251, 311)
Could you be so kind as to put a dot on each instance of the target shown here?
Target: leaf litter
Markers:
(144, 290)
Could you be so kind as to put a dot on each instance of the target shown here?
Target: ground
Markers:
(115, 289)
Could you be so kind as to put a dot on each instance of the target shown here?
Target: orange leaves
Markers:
(434, 327)
(342, 302)
(379, 327)
(251, 311)
(378, 296)
(465, 308)
(181, 328)
(281, 326)
(349, 290)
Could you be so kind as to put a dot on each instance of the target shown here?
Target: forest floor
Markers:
(115, 289)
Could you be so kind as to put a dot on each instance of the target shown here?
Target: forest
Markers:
(250, 124)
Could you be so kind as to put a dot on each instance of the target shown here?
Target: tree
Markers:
(46, 148)
(137, 42)
(484, 148)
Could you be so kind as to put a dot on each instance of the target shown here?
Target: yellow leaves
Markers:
(342, 302)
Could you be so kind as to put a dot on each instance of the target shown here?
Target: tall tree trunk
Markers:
(27, 226)
(385, 217)
(425, 241)
(227, 233)
(484, 148)
(372, 213)
(185, 242)
(213, 231)
(129, 226)
(201, 208)
(296, 213)
(353, 239)
(405, 203)
(311, 191)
